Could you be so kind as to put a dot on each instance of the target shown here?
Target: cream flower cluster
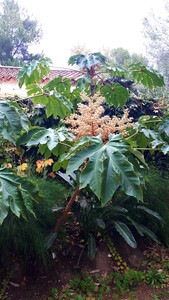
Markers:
(88, 121)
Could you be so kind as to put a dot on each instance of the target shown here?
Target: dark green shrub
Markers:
(23, 240)
(54, 194)
(123, 214)
(156, 195)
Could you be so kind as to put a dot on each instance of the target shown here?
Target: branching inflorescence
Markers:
(91, 121)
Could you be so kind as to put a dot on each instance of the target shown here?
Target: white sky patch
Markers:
(96, 24)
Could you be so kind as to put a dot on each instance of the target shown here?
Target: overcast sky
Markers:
(94, 23)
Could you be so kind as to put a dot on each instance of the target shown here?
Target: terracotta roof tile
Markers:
(10, 73)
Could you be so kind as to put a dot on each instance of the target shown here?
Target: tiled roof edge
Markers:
(10, 73)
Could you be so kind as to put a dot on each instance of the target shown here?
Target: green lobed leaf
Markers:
(142, 140)
(33, 89)
(115, 94)
(129, 179)
(4, 204)
(58, 106)
(40, 99)
(165, 148)
(12, 120)
(146, 76)
(107, 167)
(60, 84)
(16, 194)
(33, 72)
(76, 59)
(84, 83)
(75, 150)
(88, 60)
(164, 125)
(44, 150)
(116, 71)
(138, 155)
(78, 159)
(41, 135)
(100, 176)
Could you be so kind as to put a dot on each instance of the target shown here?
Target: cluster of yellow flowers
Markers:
(88, 121)
(41, 164)
(21, 169)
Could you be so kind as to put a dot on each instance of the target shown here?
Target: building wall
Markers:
(11, 88)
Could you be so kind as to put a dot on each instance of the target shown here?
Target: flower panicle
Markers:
(91, 121)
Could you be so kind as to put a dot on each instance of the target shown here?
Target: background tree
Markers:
(123, 58)
(17, 32)
(117, 57)
(156, 32)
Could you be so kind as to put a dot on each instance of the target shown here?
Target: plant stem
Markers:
(80, 255)
(155, 149)
(63, 217)
(64, 144)
(131, 135)
(152, 121)
(28, 97)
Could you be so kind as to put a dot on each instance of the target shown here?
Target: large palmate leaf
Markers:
(106, 169)
(115, 94)
(61, 98)
(57, 106)
(39, 135)
(86, 147)
(146, 76)
(54, 103)
(88, 60)
(45, 138)
(62, 85)
(78, 159)
(56, 96)
(12, 120)
(149, 132)
(16, 194)
(164, 125)
(35, 71)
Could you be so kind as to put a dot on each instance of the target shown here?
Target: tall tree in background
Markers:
(117, 57)
(156, 32)
(123, 58)
(17, 32)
